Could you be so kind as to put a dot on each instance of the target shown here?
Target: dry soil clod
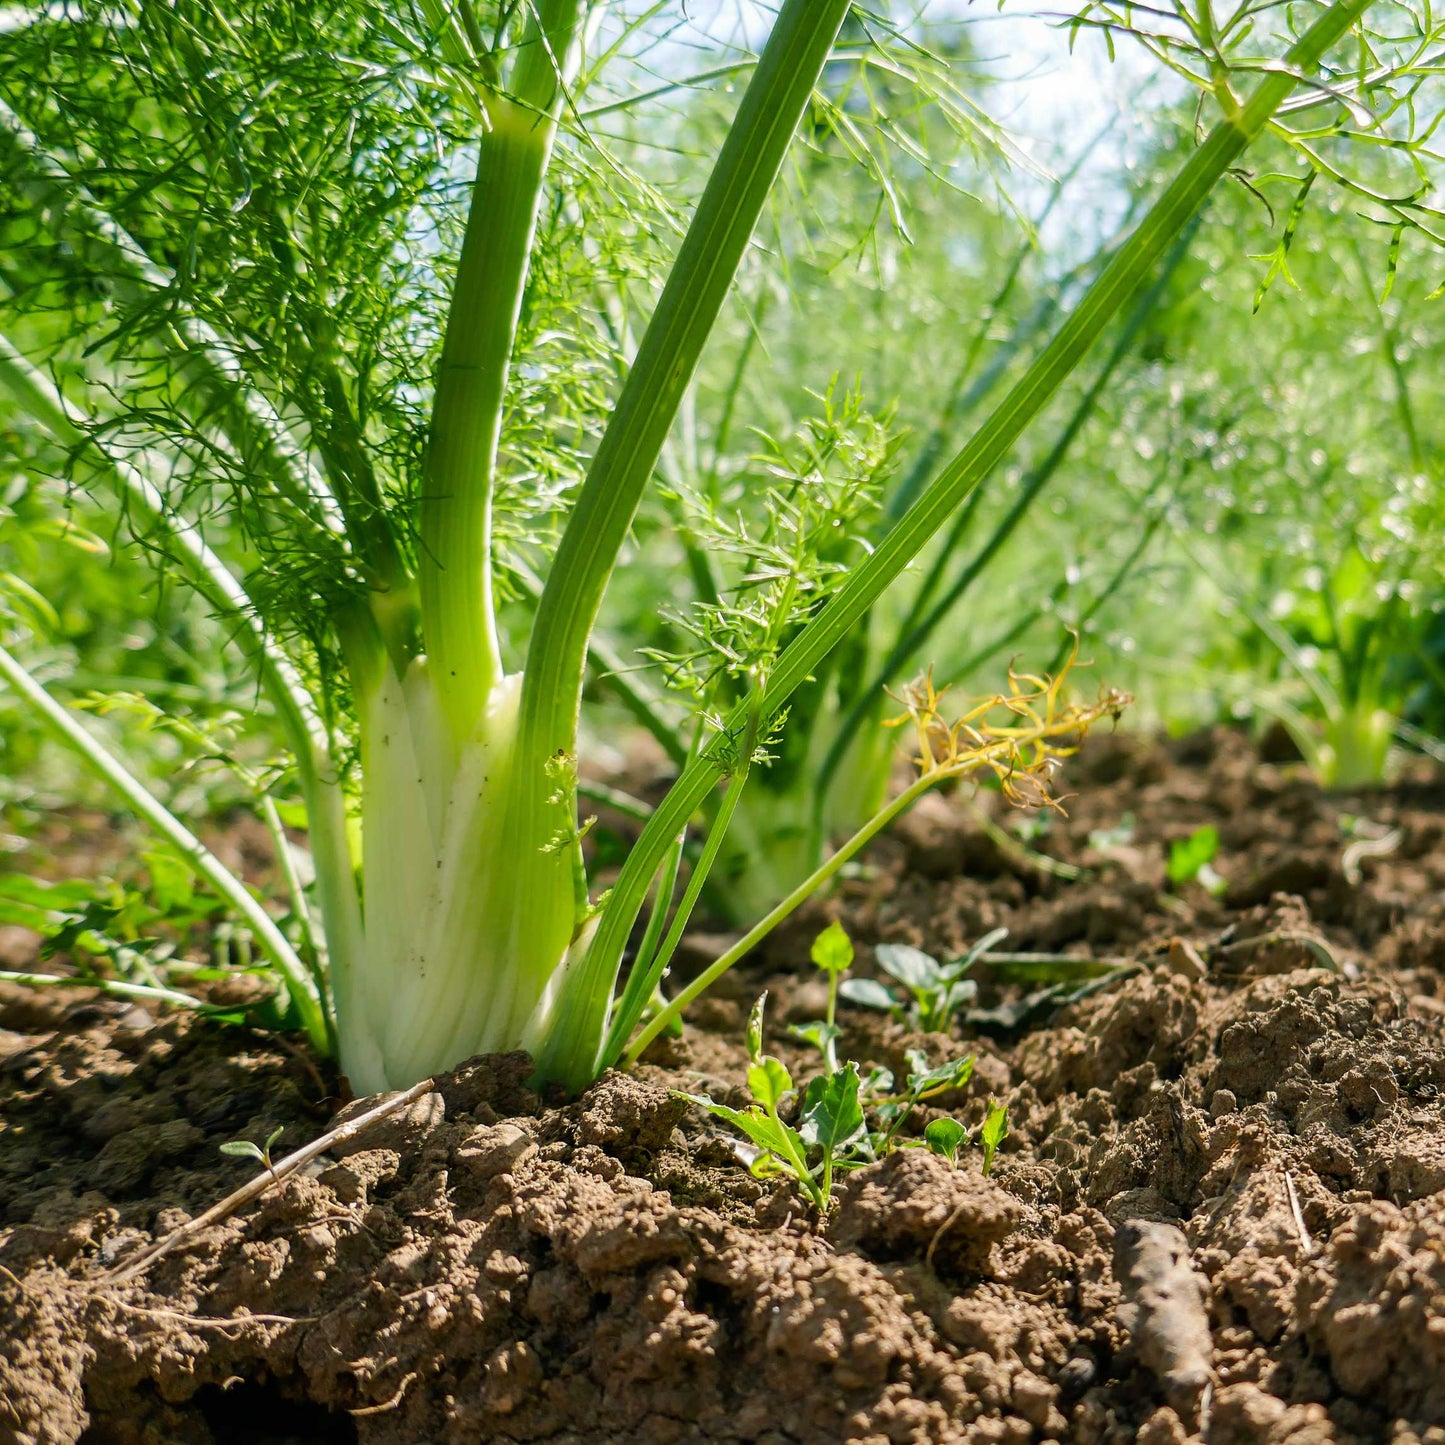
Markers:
(1163, 1307)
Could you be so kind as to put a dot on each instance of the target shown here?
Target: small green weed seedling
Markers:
(995, 1127)
(261, 1153)
(833, 953)
(945, 1137)
(893, 1109)
(938, 990)
(844, 1120)
(830, 1118)
(1191, 859)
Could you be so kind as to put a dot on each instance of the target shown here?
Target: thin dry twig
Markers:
(943, 1229)
(262, 1182)
(1306, 1239)
(215, 1322)
(390, 1404)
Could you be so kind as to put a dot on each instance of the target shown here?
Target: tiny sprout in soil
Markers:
(995, 1127)
(944, 1136)
(830, 1119)
(261, 1153)
(937, 991)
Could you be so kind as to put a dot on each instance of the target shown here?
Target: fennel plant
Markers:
(349, 505)
(1335, 584)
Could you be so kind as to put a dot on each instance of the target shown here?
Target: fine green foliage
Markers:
(1119, 279)
(1298, 570)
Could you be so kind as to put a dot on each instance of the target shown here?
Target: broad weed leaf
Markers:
(833, 949)
(913, 968)
(770, 1134)
(173, 884)
(832, 1115)
(868, 993)
(243, 1149)
(944, 1136)
(760, 1129)
(1187, 856)
(818, 1033)
(923, 1081)
(995, 1127)
(768, 1081)
(954, 997)
(961, 966)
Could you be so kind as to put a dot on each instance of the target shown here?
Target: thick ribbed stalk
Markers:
(458, 614)
(696, 288)
(701, 277)
(1129, 269)
(466, 921)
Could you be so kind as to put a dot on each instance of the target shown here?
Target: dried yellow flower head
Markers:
(1037, 728)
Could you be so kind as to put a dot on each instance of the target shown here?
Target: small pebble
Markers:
(1184, 959)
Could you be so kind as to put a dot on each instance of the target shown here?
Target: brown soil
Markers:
(1220, 1212)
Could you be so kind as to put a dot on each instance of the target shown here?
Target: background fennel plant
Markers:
(329, 437)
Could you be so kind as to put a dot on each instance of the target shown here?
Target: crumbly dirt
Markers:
(1220, 1213)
